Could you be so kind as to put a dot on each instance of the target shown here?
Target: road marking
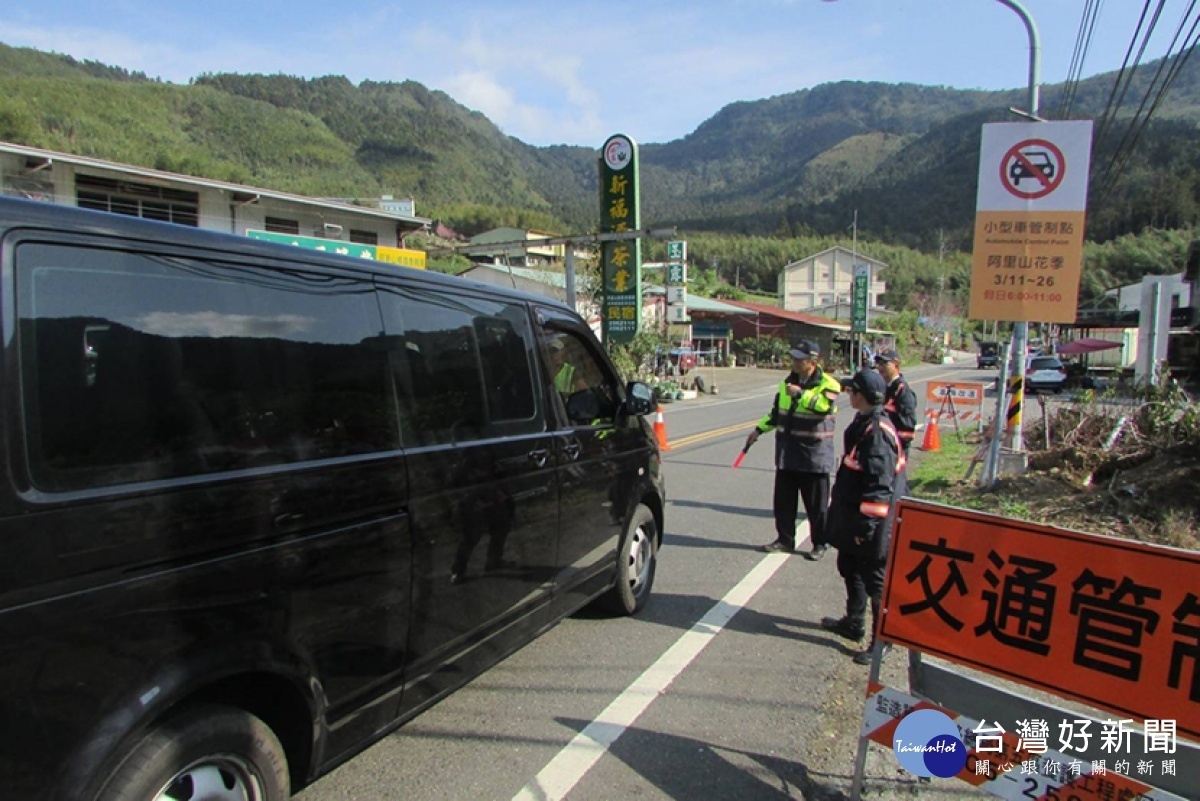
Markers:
(719, 432)
(843, 404)
(574, 761)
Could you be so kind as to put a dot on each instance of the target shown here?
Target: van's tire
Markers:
(221, 749)
(637, 560)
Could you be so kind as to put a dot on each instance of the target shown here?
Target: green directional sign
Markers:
(314, 243)
(861, 298)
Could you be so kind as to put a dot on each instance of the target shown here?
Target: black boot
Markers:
(844, 627)
(864, 657)
(816, 553)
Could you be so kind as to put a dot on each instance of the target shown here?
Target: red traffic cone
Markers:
(933, 440)
(660, 431)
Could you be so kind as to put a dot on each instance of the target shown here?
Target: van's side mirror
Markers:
(639, 398)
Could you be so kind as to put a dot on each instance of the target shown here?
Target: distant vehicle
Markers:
(988, 356)
(1045, 373)
(683, 357)
(1039, 159)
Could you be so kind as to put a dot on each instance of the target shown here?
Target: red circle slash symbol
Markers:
(1032, 169)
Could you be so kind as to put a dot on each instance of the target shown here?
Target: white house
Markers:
(826, 279)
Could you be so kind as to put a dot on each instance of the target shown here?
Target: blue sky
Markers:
(575, 71)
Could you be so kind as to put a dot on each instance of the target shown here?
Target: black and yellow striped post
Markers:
(1012, 419)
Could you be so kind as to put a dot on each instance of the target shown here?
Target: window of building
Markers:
(140, 367)
(137, 200)
(279, 225)
(364, 237)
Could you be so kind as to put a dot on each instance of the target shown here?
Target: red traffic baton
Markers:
(738, 461)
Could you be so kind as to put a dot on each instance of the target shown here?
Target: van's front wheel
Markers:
(212, 753)
(636, 563)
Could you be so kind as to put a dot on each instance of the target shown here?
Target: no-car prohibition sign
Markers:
(1032, 169)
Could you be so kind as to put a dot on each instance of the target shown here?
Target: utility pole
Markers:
(1021, 328)
(856, 356)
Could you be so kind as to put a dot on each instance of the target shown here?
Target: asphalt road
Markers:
(722, 688)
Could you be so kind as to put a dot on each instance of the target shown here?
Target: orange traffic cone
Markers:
(933, 440)
(660, 431)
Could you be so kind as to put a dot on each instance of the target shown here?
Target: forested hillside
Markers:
(791, 170)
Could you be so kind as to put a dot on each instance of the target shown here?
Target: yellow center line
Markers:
(719, 432)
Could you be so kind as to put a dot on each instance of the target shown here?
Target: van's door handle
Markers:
(572, 449)
(288, 520)
(539, 456)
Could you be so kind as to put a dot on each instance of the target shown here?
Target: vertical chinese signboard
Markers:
(861, 299)
(1029, 216)
(621, 262)
(1110, 622)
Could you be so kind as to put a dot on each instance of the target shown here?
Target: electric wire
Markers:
(1083, 42)
(1113, 104)
(1171, 64)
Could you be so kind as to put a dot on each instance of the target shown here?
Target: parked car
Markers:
(988, 356)
(261, 505)
(1045, 373)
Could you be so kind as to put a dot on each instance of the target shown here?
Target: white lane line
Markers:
(574, 761)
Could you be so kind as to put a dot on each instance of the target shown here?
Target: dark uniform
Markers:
(804, 454)
(900, 403)
(859, 514)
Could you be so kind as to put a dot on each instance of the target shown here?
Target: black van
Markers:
(261, 505)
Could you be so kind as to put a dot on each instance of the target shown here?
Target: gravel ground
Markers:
(831, 756)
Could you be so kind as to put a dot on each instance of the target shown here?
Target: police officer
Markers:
(859, 521)
(803, 418)
(900, 402)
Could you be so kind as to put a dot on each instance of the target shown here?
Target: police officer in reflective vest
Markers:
(900, 402)
(859, 514)
(803, 419)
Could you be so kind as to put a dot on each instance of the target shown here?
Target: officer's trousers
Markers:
(813, 488)
(863, 574)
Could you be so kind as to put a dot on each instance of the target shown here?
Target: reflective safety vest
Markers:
(804, 424)
(869, 480)
(565, 380)
(900, 403)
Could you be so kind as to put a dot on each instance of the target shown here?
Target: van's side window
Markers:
(465, 366)
(138, 367)
(588, 393)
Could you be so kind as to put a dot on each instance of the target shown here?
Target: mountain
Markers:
(903, 156)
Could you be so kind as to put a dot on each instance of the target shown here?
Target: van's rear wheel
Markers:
(212, 753)
(636, 563)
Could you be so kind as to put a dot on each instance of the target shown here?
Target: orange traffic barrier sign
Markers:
(933, 440)
(660, 431)
(1112, 623)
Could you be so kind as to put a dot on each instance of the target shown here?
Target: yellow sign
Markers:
(402, 256)
(1029, 219)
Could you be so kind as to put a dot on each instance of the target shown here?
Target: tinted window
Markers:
(137, 367)
(587, 390)
(465, 367)
(1045, 364)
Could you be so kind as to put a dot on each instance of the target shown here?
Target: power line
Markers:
(1113, 104)
(1172, 65)
(1083, 42)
